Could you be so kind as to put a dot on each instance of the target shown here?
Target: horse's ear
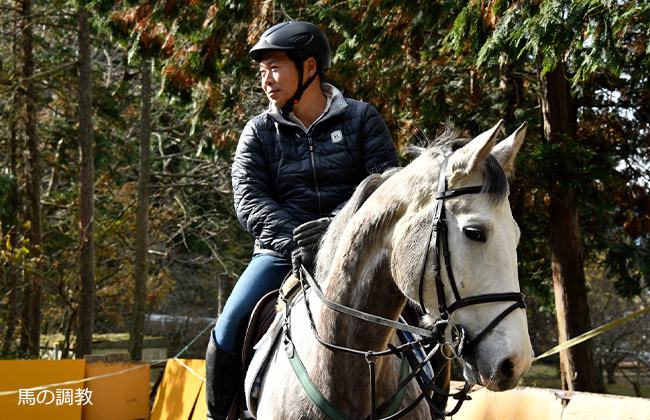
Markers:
(507, 150)
(467, 159)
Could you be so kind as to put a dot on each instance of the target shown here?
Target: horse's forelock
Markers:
(496, 182)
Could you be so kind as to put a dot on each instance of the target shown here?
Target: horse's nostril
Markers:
(507, 369)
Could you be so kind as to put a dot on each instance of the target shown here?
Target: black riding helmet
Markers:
(299, 40)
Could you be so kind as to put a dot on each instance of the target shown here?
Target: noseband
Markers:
(438, 236)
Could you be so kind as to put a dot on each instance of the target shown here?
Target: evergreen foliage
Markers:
(421, 63)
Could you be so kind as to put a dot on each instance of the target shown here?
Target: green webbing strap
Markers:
(397, 401)
(590, 334)
(313, 392)
(325, 406)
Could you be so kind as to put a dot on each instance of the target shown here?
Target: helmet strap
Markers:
(288, 108)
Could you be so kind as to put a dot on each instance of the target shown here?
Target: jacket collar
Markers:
(336, 104)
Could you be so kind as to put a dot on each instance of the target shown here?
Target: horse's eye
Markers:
(475, 234)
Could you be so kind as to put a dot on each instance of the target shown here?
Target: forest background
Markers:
(118, 122)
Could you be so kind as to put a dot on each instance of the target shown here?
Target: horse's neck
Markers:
(344, 377)
(360, 278)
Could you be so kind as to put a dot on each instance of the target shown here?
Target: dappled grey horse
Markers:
(437, 234)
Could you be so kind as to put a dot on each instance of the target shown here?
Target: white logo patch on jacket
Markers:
(337, 136)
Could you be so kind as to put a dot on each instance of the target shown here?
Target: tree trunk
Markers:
(86, 195)
(559, 117)
(71, 319)
(35, 232)
(611, 373)
(24, 346)
(142, 221)
(10, 326)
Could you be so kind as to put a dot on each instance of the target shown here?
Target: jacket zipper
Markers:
(313, 168)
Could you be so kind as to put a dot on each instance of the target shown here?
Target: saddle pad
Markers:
(257, 366)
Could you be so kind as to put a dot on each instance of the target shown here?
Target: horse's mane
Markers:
(334, 233)
(446, 142)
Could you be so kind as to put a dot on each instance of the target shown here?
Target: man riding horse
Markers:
(295, 166)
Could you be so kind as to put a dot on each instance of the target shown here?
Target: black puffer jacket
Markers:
(285, 175)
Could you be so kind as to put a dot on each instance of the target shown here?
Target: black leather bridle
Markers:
(438, 236)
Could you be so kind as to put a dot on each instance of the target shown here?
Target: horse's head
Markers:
(480, 291)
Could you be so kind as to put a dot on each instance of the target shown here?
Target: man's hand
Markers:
(302, 256)
(309, 234)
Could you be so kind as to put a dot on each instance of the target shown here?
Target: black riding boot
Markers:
(223, 378)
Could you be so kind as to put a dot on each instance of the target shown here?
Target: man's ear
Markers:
(311, 67)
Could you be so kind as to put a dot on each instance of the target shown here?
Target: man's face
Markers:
(279, 78)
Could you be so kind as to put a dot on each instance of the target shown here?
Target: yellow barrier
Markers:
(73, 389)
(121, 396)
(179, 391)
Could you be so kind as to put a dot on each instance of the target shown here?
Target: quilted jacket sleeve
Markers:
(379, 151)
(255, 206)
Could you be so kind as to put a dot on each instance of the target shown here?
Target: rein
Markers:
(426, 384)
(366, 316)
